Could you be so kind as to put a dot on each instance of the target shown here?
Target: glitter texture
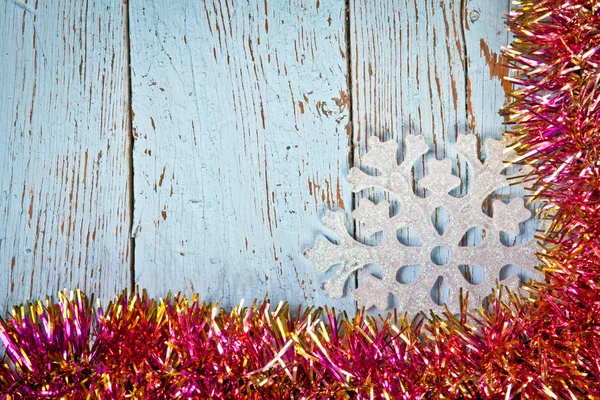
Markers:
(415, 213)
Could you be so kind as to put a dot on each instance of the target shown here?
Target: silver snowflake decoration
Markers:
(415, 212)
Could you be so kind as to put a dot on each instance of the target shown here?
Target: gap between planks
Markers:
(130, 144)
(350, 132)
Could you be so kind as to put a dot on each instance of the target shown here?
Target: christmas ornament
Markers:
(416, 213)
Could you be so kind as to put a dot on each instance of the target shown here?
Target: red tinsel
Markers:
(546, 346)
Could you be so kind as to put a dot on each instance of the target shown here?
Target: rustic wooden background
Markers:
(193, 146)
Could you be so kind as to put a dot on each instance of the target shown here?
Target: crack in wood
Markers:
(350, 125)
(130, 148)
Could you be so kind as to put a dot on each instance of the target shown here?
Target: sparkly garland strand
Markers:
(547, 346)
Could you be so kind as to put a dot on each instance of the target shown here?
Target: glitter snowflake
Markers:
(415, 212)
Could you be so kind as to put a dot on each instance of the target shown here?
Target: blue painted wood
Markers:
(243, 133)
(241, 142)
(64, 201)
(432, 68)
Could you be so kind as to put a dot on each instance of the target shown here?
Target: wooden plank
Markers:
(487, 92)
(240, 124)
(485, 34)
(415, 71)
(64, 211)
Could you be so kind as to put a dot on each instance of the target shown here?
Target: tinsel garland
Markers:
(545, 346)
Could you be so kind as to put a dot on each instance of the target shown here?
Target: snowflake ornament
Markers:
(415, 212)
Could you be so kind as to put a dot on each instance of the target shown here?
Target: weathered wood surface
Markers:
(487, 92)
(64, 208)
(246, 118)
(433, 68)
(240, 116)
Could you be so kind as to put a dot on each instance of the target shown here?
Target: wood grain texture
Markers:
(487, 92)
(242, 129)
(426, 67)
(64, 213)
(240, 124)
